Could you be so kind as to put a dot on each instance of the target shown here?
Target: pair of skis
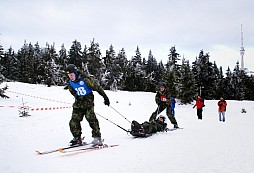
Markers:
(172, 129)
(76, 148)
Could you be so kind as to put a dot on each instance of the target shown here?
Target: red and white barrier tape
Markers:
(38, 109)
(38, 97)
(49, 109)
(7, 106)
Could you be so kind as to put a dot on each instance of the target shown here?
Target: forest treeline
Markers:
(115, 71)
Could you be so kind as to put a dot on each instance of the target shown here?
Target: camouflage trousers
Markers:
(78, 115)
(161, 108)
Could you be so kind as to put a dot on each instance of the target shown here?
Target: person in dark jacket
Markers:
(148, 128)
(163, 100)
(199, 104)
(82, 87)
(222, 109)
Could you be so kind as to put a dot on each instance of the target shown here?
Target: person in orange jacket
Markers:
(222, 109)
(199, 104)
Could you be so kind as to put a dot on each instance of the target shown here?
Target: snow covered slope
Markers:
(202, 146)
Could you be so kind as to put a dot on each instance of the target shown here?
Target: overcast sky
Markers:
(189, 25)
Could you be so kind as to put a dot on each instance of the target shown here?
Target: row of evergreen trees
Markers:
(33, 64)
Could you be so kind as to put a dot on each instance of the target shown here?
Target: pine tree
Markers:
(47, 64)
(75, 54)
(248, 87)
(1, 63)
(228, 92)
(212, 81)
(12, 66)
(62, 58)
(25, 57)
(204, 76)
(2, 78)
(186, 84)
(136, 60)
(171, 76)
(129, 78)
(151, 63)
(160, 72)
(85, 61)
(132, 73)
(237, 82)
(5, 62)
(1, 53)
(31, 68)
(121, 62)
(139, 72)
(219, 83)
(110, 71)
(55, 74)
(62, 63)
(151, 70)
(38, 65)
(94, 62)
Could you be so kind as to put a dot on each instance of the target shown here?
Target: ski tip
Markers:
(60, 150)
(38, 152)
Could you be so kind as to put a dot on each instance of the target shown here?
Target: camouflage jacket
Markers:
(163, 98)
(154, 126)
(158, 126)
(87, 100)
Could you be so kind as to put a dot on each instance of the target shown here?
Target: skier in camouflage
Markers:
(82, 87)
(163, 100)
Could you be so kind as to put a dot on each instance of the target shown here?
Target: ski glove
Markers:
(106, 101)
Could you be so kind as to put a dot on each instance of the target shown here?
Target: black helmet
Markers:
(71, 68)
(162, 84)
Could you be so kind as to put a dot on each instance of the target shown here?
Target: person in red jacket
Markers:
(222, 109)
(199, 104)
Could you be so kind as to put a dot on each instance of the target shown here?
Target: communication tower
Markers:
(242, 49)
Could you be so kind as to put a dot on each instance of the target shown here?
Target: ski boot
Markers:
(176, 126)
(97, 141)
(76, 141)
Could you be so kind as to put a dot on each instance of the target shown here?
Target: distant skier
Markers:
(162, 98)
(199, 104)
(222, 109)
(148, 128)
(82, 87)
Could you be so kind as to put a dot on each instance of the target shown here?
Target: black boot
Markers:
(76, 141)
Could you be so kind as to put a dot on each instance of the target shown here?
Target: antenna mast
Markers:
(242, 49)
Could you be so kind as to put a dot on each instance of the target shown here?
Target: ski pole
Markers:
(120, 114)
(158, 108)
(113, 123)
